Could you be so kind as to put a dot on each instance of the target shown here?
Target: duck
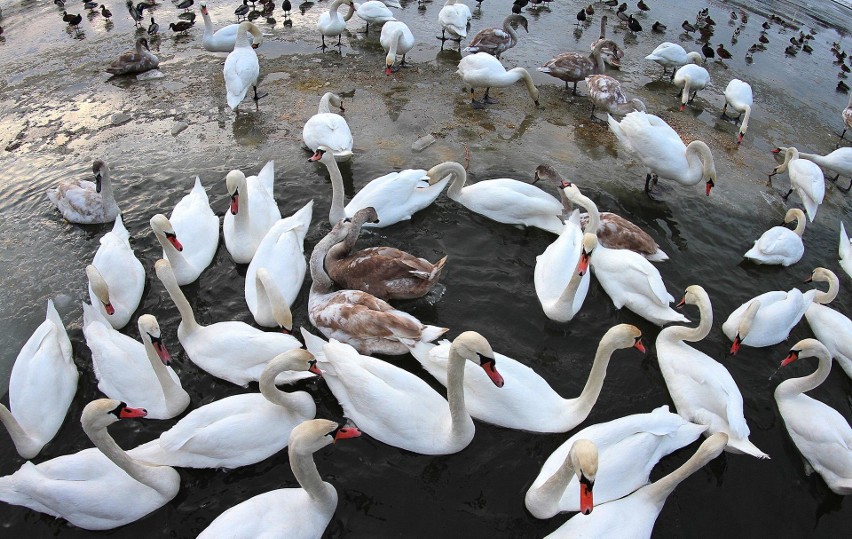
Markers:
(832, 328)
(707, 50)
(139, 60)
(806, 179)
(91, 488)
(702, 389)
(395, 196)
(396, 38)
(153, 28)
(483, 70)
(581, 16)
(359, 319)
(385, 272)
(821, 434)
(329, 129)
(633, 24)
(766, 319)
(191, 222)
(504, 200)
(688, 28)
(330, 23)
(385, 400)
(105, 12)
(231, 350)
(223, 39)
(659, 28)
(181, 27)
(672, 55)
(496, 41)
(253, 211)
(723, 53)
(116, 277)
(128, 370)
(628, 449)
(839, 161)
(627, 277)
(574, 66)
(844, 251)
(185, 4)
(527, 402)
(289, 512)
(374, 11)
(84, 202)
(779, 244)
(635, 515)
(277, 270)
(241, 66)
(614, 231)
(738, 95)
(663, 152)
(605, 93)
(846, 116)
(561, 293)
(41, 386)
(692, 78)
(241, 429)
(454, 18)
(242, 10)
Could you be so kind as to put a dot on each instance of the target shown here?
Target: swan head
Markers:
(366, 215)
(204, 8)
(745, 325)
(590, 242)
(694, 58)
(100, 288)
(474, 347)
(100, 169)
(694, 295)
(323, 154)
(794, 214)
(584, 459)
(310, 436)
(822, 275)
(297, 359)
(624, 336)
(161, 225)
(638, 104)
(149, 326)
(101, 413)
(164, 272)
(549, 174)
(806, 348)
(233, 181)
(447, 168)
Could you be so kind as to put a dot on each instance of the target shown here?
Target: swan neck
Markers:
(520, 73)
(547, 495)
(172, 391)
(794, 386)
(324, 103)
(697, 333)
(241, 219)
(208, 25)
(800, 225)
(271, 392)
(747, 115)
(26, 446)
(106, 185)
(597, 58)
(332, 11)
(322, 283)
(396, 35)
(567, 296)
(459, 177)
(337, 211)
(592, 389)
(592, 209)
(699, 157)
(455, 393)
(306, 473)
(660, 489)
(187, 316)
(824, 298)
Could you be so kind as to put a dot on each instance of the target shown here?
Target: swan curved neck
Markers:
(24, 444)
(187, 316)
(597, 57)
(278, 304)
(824, 298)
(455, 394)
(272, 393)
(546, 497)
(519, 73)
(591, 208)
(693, 334)
(800, 224)
(699, 157)
(794, 386)
(583, 404)
(660, 489)
(322, 283)
(327, 101)
(337, 211)
(459, 177)
(176, 397)
(332, 10)
(305, 470)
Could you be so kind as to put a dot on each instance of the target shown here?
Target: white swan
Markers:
(454, 18)
(241, 66)
(832, 328)
(331, 24)
(527, 401)
(702, 388)
(481, 70)
(223, 39)
(806, 179)
(672, 55)
(289, 512)
(766, 319)
(738, 95)
(369, 324)
(502, 199)
(41, 386)
(561, 277)
(844, 251)
(238, 430)
(628, 449)
(396, 39)
(634, 515)
(374, 11)
(130, 371)
(194, 224)
(252, 213)
(277, 270)
(116, 277)
(662, 151)
(97, 488)
(582, 462)
(398, 408)
(839, 161)
(395, 196)
(326, 128)
(232, 350)
(779, 244)
(690, 78)
(85, 202)
(821, 434)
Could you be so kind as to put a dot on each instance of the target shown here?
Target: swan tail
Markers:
(120, 230)
(64, 341)
(267, 176)
(744, 446)
(314, 344)
(430, 333)
(436, 271)
(420, 350)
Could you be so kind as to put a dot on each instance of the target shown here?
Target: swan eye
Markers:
(586, 481)
(118, 409)
(484, 360)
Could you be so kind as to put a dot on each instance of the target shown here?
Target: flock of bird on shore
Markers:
(602, 471)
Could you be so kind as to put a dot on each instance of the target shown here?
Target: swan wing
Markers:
(196, 227)
(241, 71)
(844, 251)
(396, 196)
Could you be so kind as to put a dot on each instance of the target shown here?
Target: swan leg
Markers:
(724, 114)
(323, 46)
(575, 89)
(339, 36)
(488, 100)
(403, 63)
(847, 187)
(693, 97)
(843, 133)
(256, 96)
(787, 195)
(474, 103)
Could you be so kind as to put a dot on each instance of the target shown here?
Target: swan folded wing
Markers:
(223, 438)
(830, 434)
(36, 383)
(241, 71)
(646, 273)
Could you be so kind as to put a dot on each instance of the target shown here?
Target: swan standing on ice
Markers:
(329, 129)
(331, 24)
(85, 202)
(690, 78)
(116, 277)
(576, 66)
(671, 55)
(805, 178)
(454, 18)
(481, 70)
(396, 39)
(241, 66)
(780, 245)
(374, 11)
(738, 95)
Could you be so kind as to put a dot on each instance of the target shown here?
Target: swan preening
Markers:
(385, 401)
(628, 449)
(780, 245)
(41, 387)
(85, 202)
(331, 23)
(289, 512)
(690, 78)
(821, 434)
(481, 70)
(766, 319)
(526, 401)
(832, 328)
(139, 60)
(561, 275)
(99, 488)
(805, 178)
(241, 66)
(671, 55)
(454, 18)
(635, 515)
(328, 129)
(116, 277)
(702, 389)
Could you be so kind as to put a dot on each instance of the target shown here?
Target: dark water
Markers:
(56, 106)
